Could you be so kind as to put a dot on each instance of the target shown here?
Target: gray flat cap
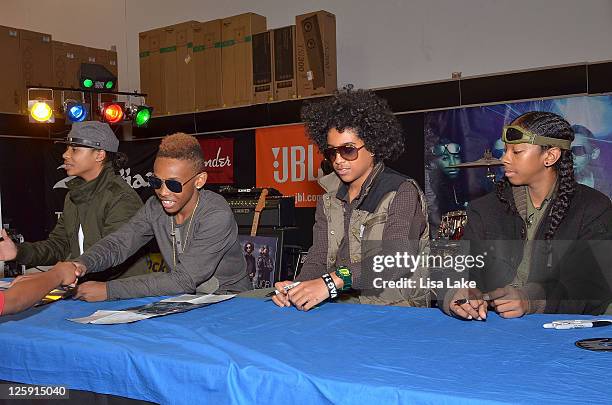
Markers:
(93, 134)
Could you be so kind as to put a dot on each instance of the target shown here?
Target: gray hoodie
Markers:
(212, 254)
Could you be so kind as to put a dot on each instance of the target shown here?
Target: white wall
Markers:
(380, 42)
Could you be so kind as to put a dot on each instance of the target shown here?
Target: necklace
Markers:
(173, 233)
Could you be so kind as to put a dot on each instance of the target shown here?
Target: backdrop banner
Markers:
(462, 135)
(289, 162)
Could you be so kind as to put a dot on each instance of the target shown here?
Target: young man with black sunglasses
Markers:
(365, 203)
(194, 229)
(98, 202)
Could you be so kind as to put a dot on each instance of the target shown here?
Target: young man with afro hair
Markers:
(194, 229)
(366, 206)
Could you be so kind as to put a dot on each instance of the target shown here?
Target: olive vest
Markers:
(367, 223)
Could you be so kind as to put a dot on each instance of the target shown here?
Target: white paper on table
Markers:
(102, 317)
(199, 299)
(105, 317)
(4, 284)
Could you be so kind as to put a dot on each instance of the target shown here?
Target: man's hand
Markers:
(281, 299)
(68, 272)
(469, 304)
(92, 291)
(509, 302)
(308, 294)
(8, 250)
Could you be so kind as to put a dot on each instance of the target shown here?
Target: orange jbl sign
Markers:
(289, 162)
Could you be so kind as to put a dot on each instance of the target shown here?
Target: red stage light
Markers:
(112, 113)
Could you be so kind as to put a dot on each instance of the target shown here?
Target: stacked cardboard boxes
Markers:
(235, 61)
(37, 60)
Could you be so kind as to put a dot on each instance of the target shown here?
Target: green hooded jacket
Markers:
(99, 206)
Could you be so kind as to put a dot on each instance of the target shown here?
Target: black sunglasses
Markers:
(451, 148)
(347, 152)
(174, 186)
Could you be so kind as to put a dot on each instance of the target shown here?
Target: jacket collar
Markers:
(332, 184)
(81, 191)
(519, 198)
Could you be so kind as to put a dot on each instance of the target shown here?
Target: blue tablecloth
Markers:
(249, 351)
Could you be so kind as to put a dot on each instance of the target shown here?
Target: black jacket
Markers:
(572, 273)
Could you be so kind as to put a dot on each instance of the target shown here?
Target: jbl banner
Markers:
(289, 162)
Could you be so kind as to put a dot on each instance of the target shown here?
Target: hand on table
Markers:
(304, 296)
(509, 302)
(469, 304)
(92, 291)
(281, 299)
(308, 294)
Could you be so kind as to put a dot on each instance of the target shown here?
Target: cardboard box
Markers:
(150, 69)
(263, 91)
(36, 64)
(237, 59)
(316, 53)
(283, 45)
(177, 69)
(207, 59)
(167, 58)
(67, 60)
(11, 88)
(186, 65)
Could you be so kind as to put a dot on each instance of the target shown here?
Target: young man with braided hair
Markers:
(547, 237)
(194, 229)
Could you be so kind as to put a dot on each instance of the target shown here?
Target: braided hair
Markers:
(119, 160)
(553, 126)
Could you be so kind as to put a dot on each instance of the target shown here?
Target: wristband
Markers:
(331, 286)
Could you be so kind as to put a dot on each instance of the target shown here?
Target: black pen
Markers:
(286, 288)
(462, 301)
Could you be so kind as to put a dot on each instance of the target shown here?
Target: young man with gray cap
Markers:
(98, 202)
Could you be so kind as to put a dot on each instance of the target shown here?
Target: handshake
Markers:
(66, 274)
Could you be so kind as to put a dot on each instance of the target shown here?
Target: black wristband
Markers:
(331, 286)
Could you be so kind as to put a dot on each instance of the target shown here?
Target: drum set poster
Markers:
(456, 141)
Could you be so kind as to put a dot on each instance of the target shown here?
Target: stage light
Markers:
(87, 83)
(112, 112)
(41, 111)
(139, 114)
(94, 76)
(75, 111)
(143, 116)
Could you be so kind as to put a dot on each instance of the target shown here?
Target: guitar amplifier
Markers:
(279, 211)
